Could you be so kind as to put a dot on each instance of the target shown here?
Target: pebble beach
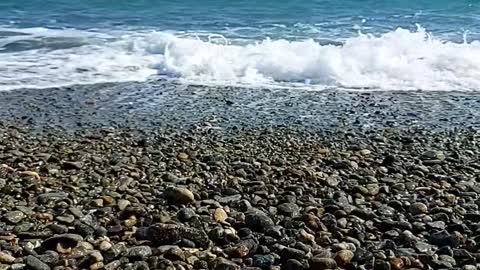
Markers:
(200, 194)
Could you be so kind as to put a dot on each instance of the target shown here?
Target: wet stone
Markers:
(175, 253)
(6, 258)
(170, 234)
(55, 196)
(113, 265)
(123, 204)
(220, 215)
(229, 199)
(71, 165)
(344, 257)
(66, 219)
(292, 253)
(263, 261)
(289, 209)
(35, 264)
(418, 208)
(444, 238)
(322, 263)
(179, 195)
(433, 155)
(14, 217)
(439, 225)
(293, 264)
(139, 252)
(258, 221)
(17, 266)
(224, 264)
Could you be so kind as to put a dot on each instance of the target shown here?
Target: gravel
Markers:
(256, 199)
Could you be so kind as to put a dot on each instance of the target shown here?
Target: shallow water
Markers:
(322, 44)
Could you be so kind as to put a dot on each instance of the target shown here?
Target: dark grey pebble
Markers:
(322, 263)
(224, 264)
(14, 217)
(67, 240)
(185, 214)
(444, 238)
(289, 209)
(35, 264)
(71, 165)
(56, 196)
(258, 221)
(263, 261)
(139, 252)
(170, 234)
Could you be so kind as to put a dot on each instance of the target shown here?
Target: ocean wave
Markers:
(397, 60)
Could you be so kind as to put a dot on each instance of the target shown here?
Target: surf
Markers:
(395, 60)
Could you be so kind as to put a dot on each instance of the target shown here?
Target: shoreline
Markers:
(160, 104)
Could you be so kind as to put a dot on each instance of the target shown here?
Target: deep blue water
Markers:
(42, 43)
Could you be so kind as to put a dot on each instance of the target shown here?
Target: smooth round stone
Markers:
(219, 215)
(344, 257)
(418, 208)
(186, 214)
(289, 209)
(258, 221)
(433, 155)
(179, 195)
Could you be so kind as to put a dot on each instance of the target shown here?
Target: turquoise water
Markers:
(430, 45)
(273, 18)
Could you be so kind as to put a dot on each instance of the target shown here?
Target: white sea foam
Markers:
(398, 60)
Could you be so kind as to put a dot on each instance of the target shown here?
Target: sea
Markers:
(390, 45)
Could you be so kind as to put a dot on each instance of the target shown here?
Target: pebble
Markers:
(224, 264)
(71, 165)
(6, 258)
(292, 253)
(444, 238)
(434, 155)
(263, 261)
(179, 195)
(344, 257)
(289, 209)
(175, 253)
(123, 204)
(97, 203)
(105, 245)
(418, 208)
(397, 263)
(139, 252)
(113, 265)
(14, 217)
(220, 215)
(168, 234)
(97, 266)
(17, 266)
(67, 219)
(186, 214)
(35, 264)
(258, 221)
(322, 263)
(229, 199)
(96, 256)
(393, 206)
